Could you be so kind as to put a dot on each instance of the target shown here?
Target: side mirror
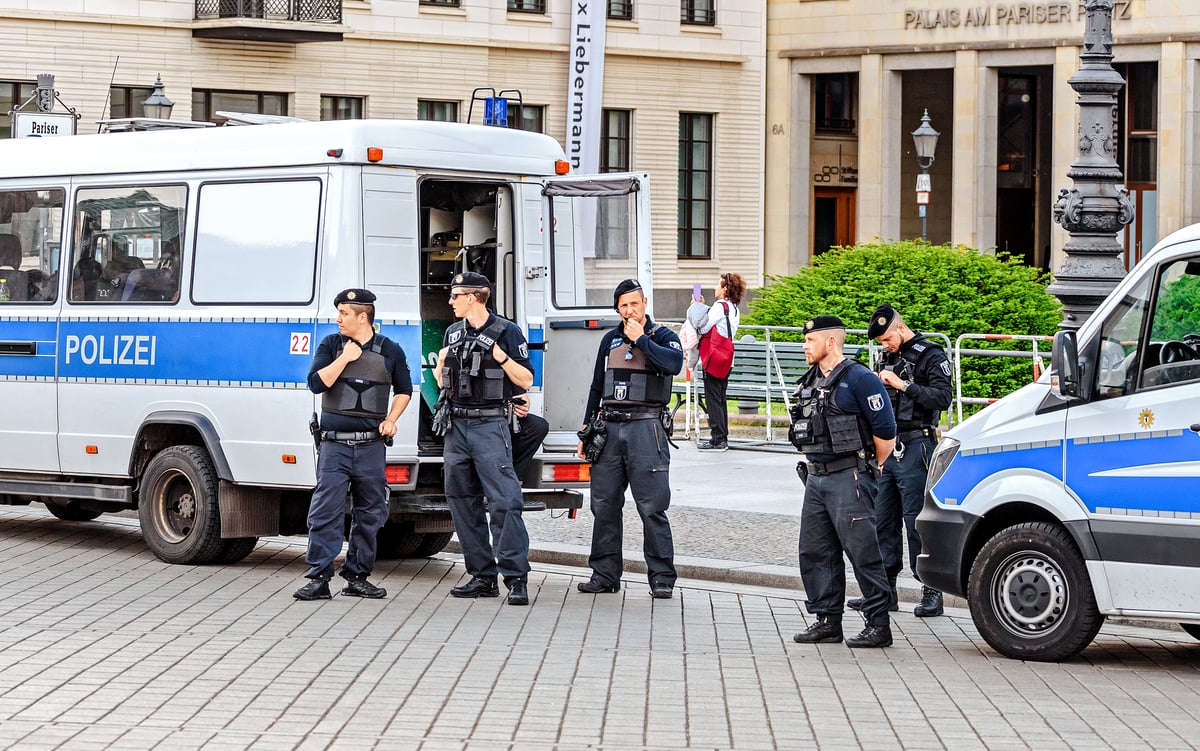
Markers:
(1064, 365)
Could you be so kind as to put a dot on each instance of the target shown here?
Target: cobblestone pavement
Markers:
(103, 646)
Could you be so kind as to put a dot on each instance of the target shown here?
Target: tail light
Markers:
(398, 474)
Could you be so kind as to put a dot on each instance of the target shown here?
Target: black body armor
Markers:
(471, 373)
(819, 426)
(363, 388)
(909, 414)
(630, 381)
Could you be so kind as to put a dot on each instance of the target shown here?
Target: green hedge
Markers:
(943, 288)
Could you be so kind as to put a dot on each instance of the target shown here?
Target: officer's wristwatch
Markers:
(906, 385)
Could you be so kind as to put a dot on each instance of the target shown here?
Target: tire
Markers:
(1030, 594)
(235, 549)
(397, 540)
(432, 543)
(1192, 629)
(71, 511)
(177, 507)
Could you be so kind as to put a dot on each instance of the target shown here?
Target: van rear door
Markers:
(596, 232)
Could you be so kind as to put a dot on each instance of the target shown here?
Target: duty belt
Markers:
(909, 435)
(478, 412)
(629, 415)
(836, 465)
(351, 439)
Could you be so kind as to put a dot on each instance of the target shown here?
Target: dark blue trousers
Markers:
(362, 471)
(478, 464)
(837, 517)
(898, 499)
(636, 456)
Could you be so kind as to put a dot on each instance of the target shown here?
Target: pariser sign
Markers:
(1008, 14)
(42, 124)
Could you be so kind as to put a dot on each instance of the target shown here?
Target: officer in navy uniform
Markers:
(631, 386)
(484, 362)
(844, 426)
(354, 370)
(916, 373)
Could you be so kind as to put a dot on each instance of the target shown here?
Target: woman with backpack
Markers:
(716, 356)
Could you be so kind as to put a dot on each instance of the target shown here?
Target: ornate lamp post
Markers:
(1096, 209)
(157, 105)
(925, 140)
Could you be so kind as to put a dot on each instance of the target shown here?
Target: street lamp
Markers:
(157, 106)
(925, 140)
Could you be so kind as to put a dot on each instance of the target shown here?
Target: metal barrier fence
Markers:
(959, 353)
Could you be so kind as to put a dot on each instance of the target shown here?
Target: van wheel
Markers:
(177, 507)
(1192, 629)
(397, 540)
(432, 543)
(1030, 594)
(70, 511)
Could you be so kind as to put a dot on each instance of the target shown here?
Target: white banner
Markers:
(585, 84)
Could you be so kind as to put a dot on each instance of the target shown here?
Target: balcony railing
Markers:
(319, 11)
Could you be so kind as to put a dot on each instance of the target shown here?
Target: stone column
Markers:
(1096, 209)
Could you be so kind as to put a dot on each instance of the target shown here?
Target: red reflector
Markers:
(335, 153)
(91, 449)
(374, 154)
(398, 474)
(592, 324)
(561, 167)
(572, 472)
(289, 458)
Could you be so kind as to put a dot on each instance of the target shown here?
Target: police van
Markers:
(161, 294)
(1078, 497)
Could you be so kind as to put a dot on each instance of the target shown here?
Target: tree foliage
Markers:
(936, 288)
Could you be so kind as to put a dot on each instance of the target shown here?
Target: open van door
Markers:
(596, 232)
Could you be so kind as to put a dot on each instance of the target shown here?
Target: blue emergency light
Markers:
(495, 111)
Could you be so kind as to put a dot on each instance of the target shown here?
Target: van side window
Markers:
(1173, 354)
(128, 242)
(30, 232)
(256, 242)
(1118, 361)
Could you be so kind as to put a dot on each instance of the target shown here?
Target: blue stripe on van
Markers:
(537, 335)
(1138, 472)
(970, 468)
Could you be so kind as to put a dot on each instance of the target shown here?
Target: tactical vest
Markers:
(473, 376)
(363, 387)
(630, 381)
(819, 426)
(909, 414)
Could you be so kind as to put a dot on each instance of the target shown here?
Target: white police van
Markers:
(161, 294)
(1078, 497)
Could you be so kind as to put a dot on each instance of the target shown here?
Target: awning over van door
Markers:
(620, 186)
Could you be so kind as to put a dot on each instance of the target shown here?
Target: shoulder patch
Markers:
(674, 344)
(945, 367)
(875, 402)
(455, 335)
(524, 350)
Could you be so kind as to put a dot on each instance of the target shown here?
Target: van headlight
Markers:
(945, 452)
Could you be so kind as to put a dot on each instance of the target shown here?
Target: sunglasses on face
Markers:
(456, 295)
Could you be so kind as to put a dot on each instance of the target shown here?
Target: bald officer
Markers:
(843, 424)
(354, 370)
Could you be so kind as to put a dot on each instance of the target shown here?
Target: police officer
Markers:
(484, 361)
(631, 386)
(843, 424)
(354, 370)
(916, 373)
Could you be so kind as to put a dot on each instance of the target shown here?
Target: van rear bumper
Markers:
(535, 500)
(944, 533)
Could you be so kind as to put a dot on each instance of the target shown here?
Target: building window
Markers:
(442, 3)
(836, 103)
(341, 107)
(12, 94)
(206, 104)
(527, 117)
(1140, 164)
(695, 185)
(613, 219)
(614, 141)
(698, 12)
(621, 10)
(429, 109)
(527, 6)
(126, 101)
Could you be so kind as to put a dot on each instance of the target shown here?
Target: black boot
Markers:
(931, 603)
(872, 637)
(824, 630)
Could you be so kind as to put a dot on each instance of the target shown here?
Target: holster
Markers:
(593, 436)
(314, 427)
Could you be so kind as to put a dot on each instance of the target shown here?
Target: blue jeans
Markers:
(898, 499)
(636, 456)
(836, 518)
(478, 463)
(361, 471)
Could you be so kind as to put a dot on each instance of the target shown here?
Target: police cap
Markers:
(820, 323)
(355, 297)
(471, 279)
(624, 288)
(881, 321)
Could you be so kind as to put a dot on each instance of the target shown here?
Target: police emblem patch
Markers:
(676, 345)
(458, 279)
(351, 295)
(524, 350)
(875, 402)
(810, 324)
(881, 321)
(455, 336)
(620, 391)
(945, 366)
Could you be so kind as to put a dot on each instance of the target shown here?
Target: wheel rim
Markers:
(1030, 595)
(174, 507)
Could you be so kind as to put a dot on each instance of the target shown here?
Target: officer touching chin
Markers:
(843, 424)
(354, 370)
(484, 363)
